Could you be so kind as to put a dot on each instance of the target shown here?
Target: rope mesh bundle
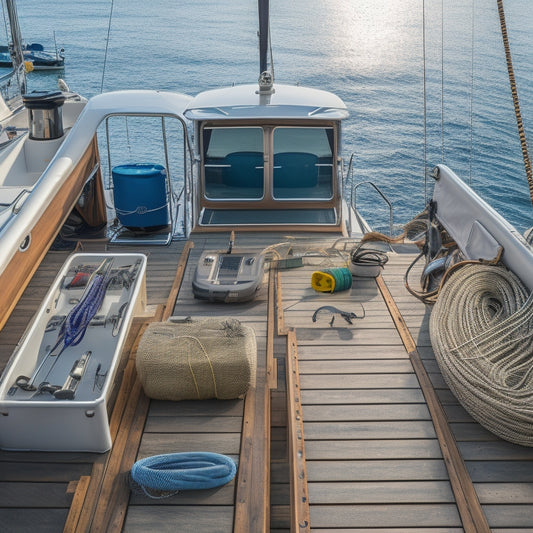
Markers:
(197, 359)
(161, 476)
(481, 329)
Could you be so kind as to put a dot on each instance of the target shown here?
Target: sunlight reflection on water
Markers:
(369, 52)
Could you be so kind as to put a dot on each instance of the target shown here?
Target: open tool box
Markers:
(55, 388)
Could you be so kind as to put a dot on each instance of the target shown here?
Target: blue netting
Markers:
(183, 471)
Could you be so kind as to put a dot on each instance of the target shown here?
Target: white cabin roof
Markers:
(286, 102)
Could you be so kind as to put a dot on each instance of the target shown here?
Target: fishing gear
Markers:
(118, 318)
(76, 322)
(54, 323)
(347, 315)
(68, 391)
(99, 377)
(45, 386)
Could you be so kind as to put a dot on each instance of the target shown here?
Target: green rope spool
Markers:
(332, 279)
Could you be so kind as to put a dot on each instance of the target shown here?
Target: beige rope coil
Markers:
(481, 329)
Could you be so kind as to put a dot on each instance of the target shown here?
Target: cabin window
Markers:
(233, 163)
(303, 163)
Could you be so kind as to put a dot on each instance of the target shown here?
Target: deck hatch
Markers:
(224, 217)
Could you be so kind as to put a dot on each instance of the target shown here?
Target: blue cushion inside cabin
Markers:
(245, 169)
(295, 169)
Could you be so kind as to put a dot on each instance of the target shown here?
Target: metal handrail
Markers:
(172, 197)
(354, 186)
(349, 172)
(378, 190)
(12, 87)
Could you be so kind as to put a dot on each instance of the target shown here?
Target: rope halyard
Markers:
(516, 102)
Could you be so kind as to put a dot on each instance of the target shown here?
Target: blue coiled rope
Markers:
(76, 322)
(80, 316)
(170, 473)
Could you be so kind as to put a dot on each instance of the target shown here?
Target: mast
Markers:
(266, 76)
(16, 39)
(263, 6)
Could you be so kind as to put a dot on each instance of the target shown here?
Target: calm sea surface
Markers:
(369, 52)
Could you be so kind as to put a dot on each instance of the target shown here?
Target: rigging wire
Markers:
(270, 49)
(442, 81)
(107, 44)
(5, 24)
(425, 98)
(472, 91)
(514, 92)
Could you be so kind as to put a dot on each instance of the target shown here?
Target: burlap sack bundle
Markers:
(197, 359)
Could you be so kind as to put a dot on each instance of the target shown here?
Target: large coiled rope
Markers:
(481, 330)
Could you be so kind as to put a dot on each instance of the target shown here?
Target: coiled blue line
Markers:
(183, 471)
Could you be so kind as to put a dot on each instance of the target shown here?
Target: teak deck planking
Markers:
(369, 457)
(373, 460)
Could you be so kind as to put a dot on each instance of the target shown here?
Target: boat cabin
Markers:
(267, 158)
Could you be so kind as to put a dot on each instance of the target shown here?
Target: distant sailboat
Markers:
(35, 54)
(43, 60)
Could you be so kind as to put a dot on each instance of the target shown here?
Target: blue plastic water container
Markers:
(139, 192)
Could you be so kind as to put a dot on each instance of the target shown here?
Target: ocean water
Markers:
(369, 52)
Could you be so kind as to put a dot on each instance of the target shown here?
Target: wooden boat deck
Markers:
(372, 457)
(371, 460)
